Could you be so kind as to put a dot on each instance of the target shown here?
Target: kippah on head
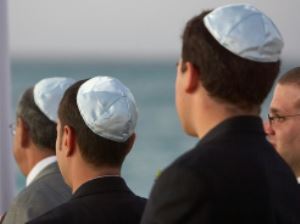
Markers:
(48, 93)
(108, 108)
(246, 32)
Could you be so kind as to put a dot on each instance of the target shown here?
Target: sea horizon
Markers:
(160, 138)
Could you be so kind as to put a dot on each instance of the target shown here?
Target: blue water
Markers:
(159, 136)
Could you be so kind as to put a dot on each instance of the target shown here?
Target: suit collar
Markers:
(101, 185)
(235, 124)
(49, 168)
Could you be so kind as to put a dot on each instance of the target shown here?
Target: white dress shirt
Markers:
(38, 168)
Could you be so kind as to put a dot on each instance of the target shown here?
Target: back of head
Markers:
(236, 67)
(291, 77)
(38, 109)
(42, 130)
(103, 115)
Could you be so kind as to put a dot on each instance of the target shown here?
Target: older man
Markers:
(34, 151)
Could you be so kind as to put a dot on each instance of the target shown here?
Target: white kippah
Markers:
(48, 93)
(108, 108)
(246, 32)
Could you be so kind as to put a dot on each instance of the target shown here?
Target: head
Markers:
(283, 128)
(35, 122)
(33, 129)
(228, 77)
(100, 141)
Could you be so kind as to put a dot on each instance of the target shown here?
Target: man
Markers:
(34, 151)
(230, 59)
(283, 128)
(95, 129)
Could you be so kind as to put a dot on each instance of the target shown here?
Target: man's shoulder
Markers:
(219, 155)
(25, 195)
(227, 145)
(60, 214)
(50, 184)
(35, 200)
(47, 191)
(99, 199)
(92, 209)
(193, 157)
(30, 194)
(186, 170)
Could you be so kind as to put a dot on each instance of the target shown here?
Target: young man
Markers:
(283, 128)
(230, 59)
(95, 129)
(34, 151)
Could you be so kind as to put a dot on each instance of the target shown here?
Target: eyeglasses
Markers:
(12, 127)
(280, 118)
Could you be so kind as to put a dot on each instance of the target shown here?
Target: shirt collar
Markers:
(38, 168)
(98, 177)
(104, 184)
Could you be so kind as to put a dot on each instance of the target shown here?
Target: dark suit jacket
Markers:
(102, 200)
(232, 176)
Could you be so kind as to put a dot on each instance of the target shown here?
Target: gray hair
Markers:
(41, 129)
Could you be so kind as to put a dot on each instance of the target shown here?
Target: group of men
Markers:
(229, 62)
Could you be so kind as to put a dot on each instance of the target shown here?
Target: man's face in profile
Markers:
(283, 129)
(20, 144)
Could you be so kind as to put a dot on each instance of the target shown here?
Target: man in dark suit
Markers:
(283, 127)
(230, 59)
(95, 129)
(34, 151)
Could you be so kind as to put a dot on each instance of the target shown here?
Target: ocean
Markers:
(160, 138)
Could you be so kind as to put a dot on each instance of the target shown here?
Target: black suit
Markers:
(102, 200)
(232, 176)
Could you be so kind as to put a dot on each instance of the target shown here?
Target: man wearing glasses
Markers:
(283, 128)
(34, 151)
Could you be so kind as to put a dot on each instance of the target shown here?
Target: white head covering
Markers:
(246, 32)
(108, 108)
(48, 93)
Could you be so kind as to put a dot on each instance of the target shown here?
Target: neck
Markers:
(34, 156)
(85, 172)
(209, 113)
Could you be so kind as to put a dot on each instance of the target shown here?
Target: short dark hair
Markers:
(291, 77)
(95, 149)
(41, 129)
(226, 76)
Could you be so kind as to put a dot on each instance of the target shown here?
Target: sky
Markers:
(131, 28)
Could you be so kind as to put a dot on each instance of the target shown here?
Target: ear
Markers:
(68, 141)
(131, 141)
(23, 131)
(191, 81)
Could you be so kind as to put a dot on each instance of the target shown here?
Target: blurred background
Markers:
(137, 41)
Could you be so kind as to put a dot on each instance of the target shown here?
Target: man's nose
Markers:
(268, 128)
